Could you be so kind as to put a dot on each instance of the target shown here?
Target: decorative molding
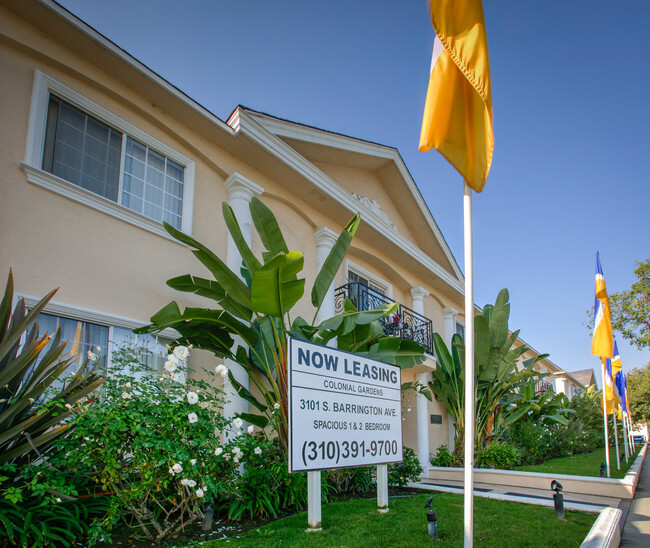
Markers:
(318, 136)
(374, 206)
(325, 237)
(88, 315)
(419, 293)
(64, 188)
(450, 312)
(241, 187)
(264, 138)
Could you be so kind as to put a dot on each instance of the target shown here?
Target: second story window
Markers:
(95, 156)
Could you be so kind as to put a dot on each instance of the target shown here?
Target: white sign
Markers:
(344, 409)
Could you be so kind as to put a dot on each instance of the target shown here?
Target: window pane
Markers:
(152, 184)
(86, 151)
(80, 337)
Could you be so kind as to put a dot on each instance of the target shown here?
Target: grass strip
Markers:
(587, 464)
(357, 523)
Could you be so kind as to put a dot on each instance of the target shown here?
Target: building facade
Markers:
(96, 150)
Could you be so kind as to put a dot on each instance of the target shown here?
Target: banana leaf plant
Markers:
(254, 310)
(29, 365)
(545, 406)
(497, 374)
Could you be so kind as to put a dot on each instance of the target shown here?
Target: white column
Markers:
(560, 386)
(450, 315)
(240, 192)
(421, 404)
(325, 240)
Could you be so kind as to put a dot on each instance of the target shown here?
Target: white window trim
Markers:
(43, 86)
(79, 313)
(369, 275)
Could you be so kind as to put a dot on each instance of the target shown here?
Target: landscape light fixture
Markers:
(603, 469)
(432, 520)
(207, 519)
(558, 498)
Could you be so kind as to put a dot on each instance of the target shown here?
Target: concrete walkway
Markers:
(636, 531)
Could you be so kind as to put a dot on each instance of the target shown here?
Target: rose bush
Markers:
(156, 442)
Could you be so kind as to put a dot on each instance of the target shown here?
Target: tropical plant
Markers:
(445, 458)
(256, 309)
(496, 373)
(545, 406)
(588, 408)
(29, 366)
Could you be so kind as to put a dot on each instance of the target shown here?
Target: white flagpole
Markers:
(625, 439)
(618, 459)
(602, 367)
(469, 370)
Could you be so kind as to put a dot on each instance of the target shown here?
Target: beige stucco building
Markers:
(96, 150)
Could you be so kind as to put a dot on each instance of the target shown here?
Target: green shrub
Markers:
(155, 443)
(498, 455)
(408, 470)
(445, 458)
(265, 487)
(343, 481)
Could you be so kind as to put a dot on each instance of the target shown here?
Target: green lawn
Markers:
(358, 524)
(587, 464)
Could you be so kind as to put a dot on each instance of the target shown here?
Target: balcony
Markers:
(543, 386)
(404, 323)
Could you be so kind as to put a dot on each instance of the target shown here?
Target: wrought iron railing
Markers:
(542, 386)
(404, 323)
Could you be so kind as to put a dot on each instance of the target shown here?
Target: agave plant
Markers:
(256, 309)
(29, 365)
(496, 373)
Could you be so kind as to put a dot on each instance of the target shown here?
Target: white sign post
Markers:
(344, 411)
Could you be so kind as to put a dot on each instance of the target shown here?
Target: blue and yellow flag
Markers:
(457, 119)
(603, 340)
(619, 382)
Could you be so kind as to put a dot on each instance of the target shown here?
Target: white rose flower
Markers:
(171, 472)
(181, 352)
(177, 468)
(204, 404)
(257, 450)
(276, 405)
(238, 422)
(193, 462)
(126, 396)
(192, 397)
(251, 428)
(218, 451)
(177, 377)
(190, 483)
(236, 450)
(200, 493)
(221, 369)
(235, 459)
(172, 358)
(192, 418)
(239, 456)
(91, 356)
(128, 385)
(170, 366)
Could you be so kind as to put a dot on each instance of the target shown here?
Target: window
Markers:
(83, 151)
(88, 153)
(460, 330)
(82, 336)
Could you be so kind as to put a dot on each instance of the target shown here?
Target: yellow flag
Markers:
(457, 119)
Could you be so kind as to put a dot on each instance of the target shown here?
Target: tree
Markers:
(638, 387)
(631, 308)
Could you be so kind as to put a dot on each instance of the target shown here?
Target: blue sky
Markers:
(570, 87)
